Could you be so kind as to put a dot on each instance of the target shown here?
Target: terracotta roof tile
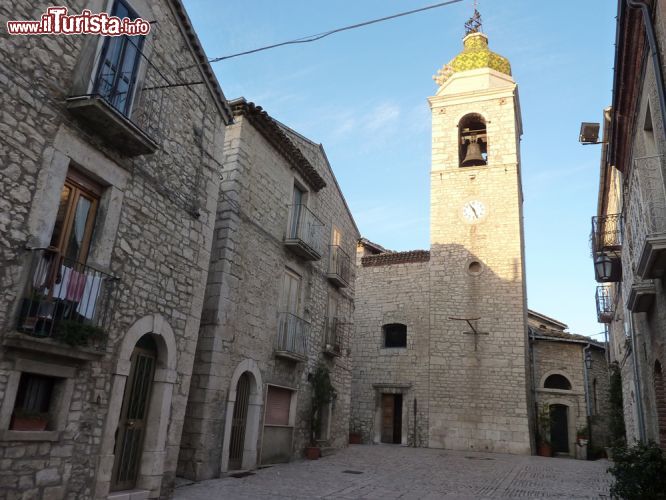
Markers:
(388, 259)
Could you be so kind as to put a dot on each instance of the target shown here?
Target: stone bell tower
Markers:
(479, 392)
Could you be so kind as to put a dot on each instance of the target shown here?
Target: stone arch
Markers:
(159, 406)
(253, 418)
(660, 402)
(472, 132)
(548, 374)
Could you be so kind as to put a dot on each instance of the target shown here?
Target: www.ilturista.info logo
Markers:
(56, 21)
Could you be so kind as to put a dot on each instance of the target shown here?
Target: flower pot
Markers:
(545, 450)
(312, 453)
(28, 423)
(354, 438)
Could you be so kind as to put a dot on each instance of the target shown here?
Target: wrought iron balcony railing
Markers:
(124, 100)
(339, 266)
(305, 234)
(292, 337)
(606, 233)
(66, 301)
(645, 217)
(605, 305)
(336, 332)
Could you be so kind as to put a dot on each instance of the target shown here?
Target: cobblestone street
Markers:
(387, 472)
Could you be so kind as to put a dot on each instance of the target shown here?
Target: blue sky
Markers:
(363, 93)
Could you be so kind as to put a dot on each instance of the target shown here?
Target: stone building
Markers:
(570, 378)
(440, 346)
(279, 302)
(629, 229)
(110, 183)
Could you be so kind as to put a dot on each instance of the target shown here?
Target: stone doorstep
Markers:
(327, 451)
(129, 495)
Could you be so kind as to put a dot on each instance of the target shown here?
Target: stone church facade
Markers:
(440, 347)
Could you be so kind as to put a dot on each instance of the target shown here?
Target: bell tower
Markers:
(479, 391)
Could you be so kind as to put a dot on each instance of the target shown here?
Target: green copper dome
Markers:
(475, 55)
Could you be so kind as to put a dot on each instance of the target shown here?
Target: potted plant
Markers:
(544, 448)
(28, 420)
(75, 333)
(582, 435)
(355, 437)
(323, 393)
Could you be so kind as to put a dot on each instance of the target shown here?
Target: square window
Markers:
(395, 335)
(34, 401)
(278, 406)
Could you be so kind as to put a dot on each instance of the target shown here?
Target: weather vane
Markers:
(474, 24)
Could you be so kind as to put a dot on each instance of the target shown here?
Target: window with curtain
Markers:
(75, 219)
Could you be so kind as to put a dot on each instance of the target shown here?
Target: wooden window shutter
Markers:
(278, 402)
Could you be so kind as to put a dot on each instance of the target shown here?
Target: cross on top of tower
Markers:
(473, 25)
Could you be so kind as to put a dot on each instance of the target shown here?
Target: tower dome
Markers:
(475, 55)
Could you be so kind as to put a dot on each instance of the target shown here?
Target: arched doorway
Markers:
(559, 428)
(133, 415)
(660, 402)
(239, 422)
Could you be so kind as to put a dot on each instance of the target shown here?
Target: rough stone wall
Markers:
(481, 401)
(160, 252)
(391, 294)
(601, 408)
(244, 291)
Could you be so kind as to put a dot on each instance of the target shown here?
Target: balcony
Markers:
(291, 342)
(339, 267)
(605, 306)
(641, 296)
(66, 301)
(606, 240)
(305, 234)
(335, 333)
(645, 221)
(124, 110)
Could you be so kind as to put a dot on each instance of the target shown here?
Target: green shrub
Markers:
(640, 472)
(77, 334)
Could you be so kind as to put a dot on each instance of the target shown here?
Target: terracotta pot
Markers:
(312, 453)
(354, 438)
(28, 424)
(545, 450)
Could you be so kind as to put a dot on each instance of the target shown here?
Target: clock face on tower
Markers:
(473, 211)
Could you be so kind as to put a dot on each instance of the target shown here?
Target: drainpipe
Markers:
(654, 52)
(637, 380)
(588, 400)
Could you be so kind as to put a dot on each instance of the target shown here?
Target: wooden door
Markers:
(133, 416)
(388, 407)
(559, 428)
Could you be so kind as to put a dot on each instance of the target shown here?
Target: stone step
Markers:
(326, 451)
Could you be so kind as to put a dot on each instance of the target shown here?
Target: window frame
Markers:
(385, 333)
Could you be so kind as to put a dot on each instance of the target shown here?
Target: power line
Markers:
(319, 36)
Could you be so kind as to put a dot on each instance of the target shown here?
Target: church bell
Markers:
(474, 155)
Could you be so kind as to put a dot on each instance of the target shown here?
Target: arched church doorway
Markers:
(239, 422)
(133, 415)
(559, 428)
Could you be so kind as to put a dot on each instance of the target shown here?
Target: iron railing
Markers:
(336, 332)
(605, 305)
(339, 266)
(306, 230)
(136, 91)
(66, 300)
(606, 233)
(292, 335)
(645, 205)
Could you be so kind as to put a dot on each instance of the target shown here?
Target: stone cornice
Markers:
(274, 134)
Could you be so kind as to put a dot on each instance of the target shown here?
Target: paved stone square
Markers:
(388, 472)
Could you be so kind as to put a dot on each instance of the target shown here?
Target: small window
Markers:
(557, 381)
(395, 335)
(33, 403)
(278, 405)
(119, 64)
